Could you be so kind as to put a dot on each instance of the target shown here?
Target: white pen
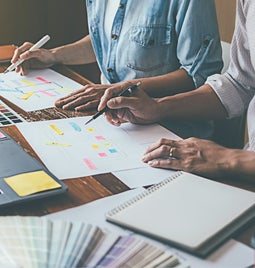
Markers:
(39, 44)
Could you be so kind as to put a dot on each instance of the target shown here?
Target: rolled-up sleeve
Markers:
(233, 95)
(198, 47)
(236, 87)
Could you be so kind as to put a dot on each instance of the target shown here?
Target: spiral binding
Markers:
(143, 194)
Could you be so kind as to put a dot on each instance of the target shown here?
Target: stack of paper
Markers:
(40, 242)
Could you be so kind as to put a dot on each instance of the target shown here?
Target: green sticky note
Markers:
(30, 183)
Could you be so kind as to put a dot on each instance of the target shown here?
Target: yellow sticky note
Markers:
(95, 146)
(90, 129)
(28, 83)
(56, 129)
(30, 183)
(27, 95)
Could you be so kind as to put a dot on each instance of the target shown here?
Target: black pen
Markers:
(125, 92)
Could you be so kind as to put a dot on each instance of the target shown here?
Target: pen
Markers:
(39, 44)
(125, 92)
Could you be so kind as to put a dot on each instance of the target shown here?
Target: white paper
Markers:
(145, 176)
(232, 254)
(77, 150)
(82, 150)
(95, 211)
(37, 90)
(148, 134)
(145, 135)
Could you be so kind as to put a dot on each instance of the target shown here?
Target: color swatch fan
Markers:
(39, 242)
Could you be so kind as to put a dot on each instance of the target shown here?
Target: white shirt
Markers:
(110, 12)
(236, 87)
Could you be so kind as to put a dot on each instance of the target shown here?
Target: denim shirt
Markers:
(155, 37)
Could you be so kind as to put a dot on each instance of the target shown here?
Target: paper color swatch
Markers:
(8, 116)
(40, 242)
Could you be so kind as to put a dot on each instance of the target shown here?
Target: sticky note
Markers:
(56, 129)
(100, 138)
(2, 135)
(75, 126)
(89, 164)
(47, 93)
(30, 183)
(42, 80)
(27, 95)
(90, 129)
(57, 144)
(95, 146)
(28, 83)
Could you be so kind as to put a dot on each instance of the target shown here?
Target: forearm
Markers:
(80, 52)
(166, 85)
(240, 165)
(198, 104)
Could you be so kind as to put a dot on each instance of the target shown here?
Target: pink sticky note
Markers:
(100, 138)
(42, 80)
(2, 135)
(102, 154)
(50, 94)
(89, 164)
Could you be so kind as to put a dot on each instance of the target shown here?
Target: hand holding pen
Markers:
(127, 92)
(37, 45)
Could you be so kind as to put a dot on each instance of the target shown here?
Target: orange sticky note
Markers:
(30, 183)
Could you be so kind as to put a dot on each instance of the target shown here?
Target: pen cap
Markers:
(129, 90)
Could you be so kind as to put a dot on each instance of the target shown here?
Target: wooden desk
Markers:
(85, 189)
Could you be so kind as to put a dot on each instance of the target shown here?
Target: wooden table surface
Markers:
(84, 189)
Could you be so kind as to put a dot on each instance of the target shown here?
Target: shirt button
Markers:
(114, 36)
(121, 6)
(206, 42)
(109, 70)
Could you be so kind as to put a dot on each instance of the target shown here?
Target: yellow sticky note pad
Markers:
(30, 183)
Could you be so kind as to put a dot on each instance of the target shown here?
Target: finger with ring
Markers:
(171, 151)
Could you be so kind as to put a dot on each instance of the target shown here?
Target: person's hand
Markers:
(192, 155)
(138, 108)
(89, 96)
(86, 98)
(36, 59)
(113, 91)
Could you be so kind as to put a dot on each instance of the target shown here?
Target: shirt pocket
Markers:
(148, 48)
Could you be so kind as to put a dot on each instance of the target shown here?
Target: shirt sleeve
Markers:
(236, 87)
(198, 47)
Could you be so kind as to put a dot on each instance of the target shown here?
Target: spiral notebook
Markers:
(187, 211)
